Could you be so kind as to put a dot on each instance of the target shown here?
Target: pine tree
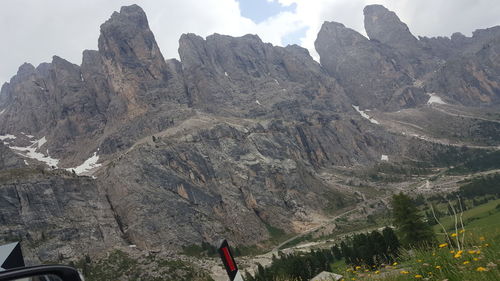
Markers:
(413, 230)
(336, 252)
(380, 249)
(346, 252)
(392, 242)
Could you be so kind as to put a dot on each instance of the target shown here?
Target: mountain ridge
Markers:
(236, 136)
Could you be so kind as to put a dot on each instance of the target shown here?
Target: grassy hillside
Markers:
(482, 218)
(478, 259)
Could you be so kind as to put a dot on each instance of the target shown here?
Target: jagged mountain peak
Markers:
(127, 39)
(130, 14)
(338, 33)
(384, 25)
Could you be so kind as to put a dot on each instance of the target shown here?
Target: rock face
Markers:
(8, 159)
(137, 72)
(124, 82)
(55, 214)
(385, 26)
(252, 78)
(372, 74)
(471, 80)
(230, 141)
(392, 68)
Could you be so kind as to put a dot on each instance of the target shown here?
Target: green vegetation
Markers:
(479, 163)
(297, 241)
(477, 260)
(479, 186)
(205, 249)
(294, 266)
(472, 253)
(414, 232)
(118, 265)
(479, 219)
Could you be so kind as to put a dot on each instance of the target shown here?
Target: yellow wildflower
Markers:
(395, 263)
(486, 245)
(452, 251)
(377, 272)
(466, 262)
(481, 269)
(438, 267)
(453, 235)
(418, 276)
(353, 278)
(358, 267)
(404, 272)
(471, 252)
(478, 252)
(462, 231)
(419, 260)
(482, 238)
(443, 245)
(475, 259)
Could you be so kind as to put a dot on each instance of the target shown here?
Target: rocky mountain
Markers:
(235, 140)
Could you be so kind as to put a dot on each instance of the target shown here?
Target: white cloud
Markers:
(33, 31)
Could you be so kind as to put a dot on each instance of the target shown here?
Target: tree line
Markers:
(369, 250)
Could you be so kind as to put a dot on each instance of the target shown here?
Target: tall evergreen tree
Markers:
(392, 242)
(336, 252)
(380, 249)
(412, 229)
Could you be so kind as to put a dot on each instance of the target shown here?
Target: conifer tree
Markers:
(412, 229)
(392, 242)
(336, 252)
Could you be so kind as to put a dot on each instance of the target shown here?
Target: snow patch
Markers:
(364, 115)
(26, 163)
(276, 81)
(1, 112)
(88, 165)
(41, 142)
(30, 152)
(7, 137)
(257, 102)
(29, 136)
(384, 157)
(81, 77)
(434, 99)
(225, 73)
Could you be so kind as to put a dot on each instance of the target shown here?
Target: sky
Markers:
(34, 30)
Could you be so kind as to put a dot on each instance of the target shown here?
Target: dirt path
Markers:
(438, 108)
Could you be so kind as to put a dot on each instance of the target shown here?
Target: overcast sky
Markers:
(35, 30)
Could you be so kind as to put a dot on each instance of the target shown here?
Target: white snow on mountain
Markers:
(7, 137)
(30, 152)
(366, 116)
(433, 98)
(88, 165)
